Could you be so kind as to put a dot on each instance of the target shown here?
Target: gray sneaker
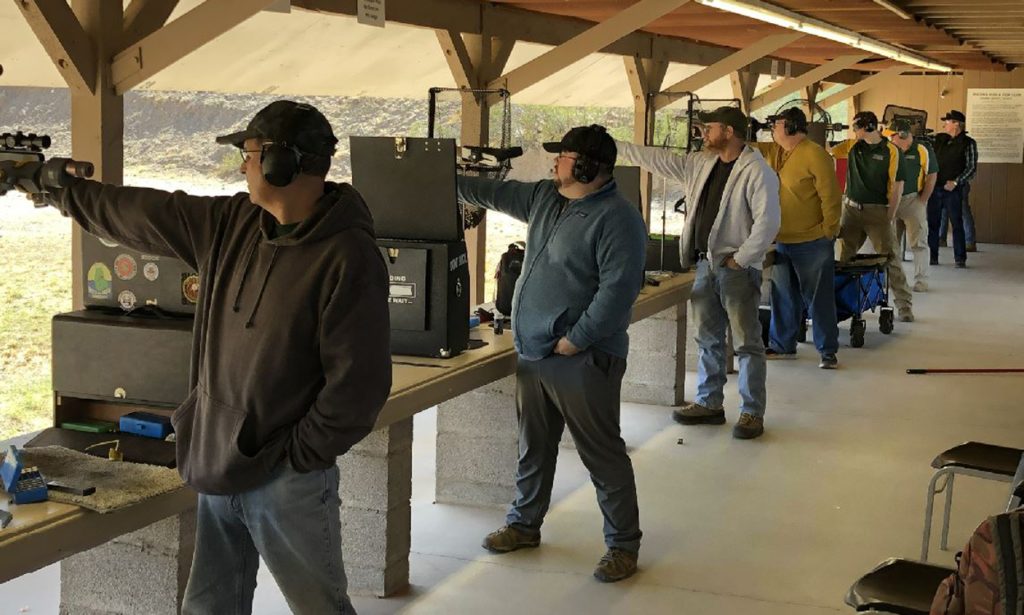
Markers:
(829, 361)
(906, 315)
(615, 566)
(920, 287)
(508, 538)
(774, 355)
(696, 414)
(748, 427)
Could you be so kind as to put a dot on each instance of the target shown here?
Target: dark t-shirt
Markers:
(709, 204)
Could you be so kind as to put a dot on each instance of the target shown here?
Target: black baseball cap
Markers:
(285, 121)
(794, 115)
(592, 141)
(730, 116)
(954, 115)
(865, 119)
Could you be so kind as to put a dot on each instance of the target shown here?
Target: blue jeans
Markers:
(950, 203)
(721, 297)
(294, 523)
(968, 216)
(804, 274)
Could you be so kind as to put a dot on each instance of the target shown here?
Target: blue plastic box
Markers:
(146, 424)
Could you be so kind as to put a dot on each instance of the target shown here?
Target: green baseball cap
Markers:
(730, 116)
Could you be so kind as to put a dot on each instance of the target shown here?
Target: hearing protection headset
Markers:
(280, 163)
(585, 168)
(866, 121)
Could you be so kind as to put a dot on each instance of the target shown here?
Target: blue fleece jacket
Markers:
(583, 268)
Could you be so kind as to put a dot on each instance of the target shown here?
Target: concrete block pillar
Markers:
(376, 521)
(656, 367)
(478, 446)
(142, 572)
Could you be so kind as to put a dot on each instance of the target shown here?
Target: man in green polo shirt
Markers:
(874, 188)
(921, 171)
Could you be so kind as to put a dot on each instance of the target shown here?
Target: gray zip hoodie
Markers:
(290, 353)
(583, 268)
(749, 217)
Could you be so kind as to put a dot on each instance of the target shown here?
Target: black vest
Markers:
(951, 153)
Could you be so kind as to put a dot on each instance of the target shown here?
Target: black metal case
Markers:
(429, 297)
(101, 356)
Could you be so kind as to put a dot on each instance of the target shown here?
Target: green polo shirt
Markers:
(871, 170)
(919, 162)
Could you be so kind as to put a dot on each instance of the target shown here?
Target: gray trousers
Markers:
(581, 392)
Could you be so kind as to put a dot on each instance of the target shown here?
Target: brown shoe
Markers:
(972, 247)
(696, 414)
(615, 566)
(748, 427)
(507, 539)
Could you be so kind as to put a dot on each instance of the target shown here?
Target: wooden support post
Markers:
(645, 77)
(475, 61)
(744, 83)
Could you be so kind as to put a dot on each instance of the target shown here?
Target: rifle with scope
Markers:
(24, 167)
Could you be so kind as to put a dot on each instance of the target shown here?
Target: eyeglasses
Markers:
(560, 156)
(247, 153)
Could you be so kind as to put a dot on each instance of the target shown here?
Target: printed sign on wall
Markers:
(995, 118)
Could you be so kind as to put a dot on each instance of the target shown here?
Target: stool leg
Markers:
(929, 504)
(944, 544)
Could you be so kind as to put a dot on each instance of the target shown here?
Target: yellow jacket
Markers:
(809, 193)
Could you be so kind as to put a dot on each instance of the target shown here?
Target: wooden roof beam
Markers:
(144, 17)
(862, 85)
(723, 67)
(65, 41)
(785, 87)
(590, 41)
(155, 52)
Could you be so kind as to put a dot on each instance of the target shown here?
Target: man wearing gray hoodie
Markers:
(733, 217)
(583, 270)
(290, 355)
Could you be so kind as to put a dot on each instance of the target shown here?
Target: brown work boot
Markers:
(748, 427)
(615, 566)
(696, 414)
(508, 538)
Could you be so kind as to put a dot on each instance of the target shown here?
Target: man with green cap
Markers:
(733, 218)
(920, 172)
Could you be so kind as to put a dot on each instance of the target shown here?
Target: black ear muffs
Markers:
(584, 169)
(280, 164)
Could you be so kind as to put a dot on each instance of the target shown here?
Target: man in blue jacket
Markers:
(733, 217)
(583, 270)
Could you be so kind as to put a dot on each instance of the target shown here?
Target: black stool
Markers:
(897, 586)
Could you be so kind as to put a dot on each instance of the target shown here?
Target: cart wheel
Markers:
(801, 334)
(857, 328)
(885, 321)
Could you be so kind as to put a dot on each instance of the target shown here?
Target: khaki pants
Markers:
(912, 216)
(872, 222)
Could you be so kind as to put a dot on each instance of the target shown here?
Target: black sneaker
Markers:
(507, 539)
(775, 355)
(748, 427)
(933, 261)
(615, 566)
(961, 265)
(696, 414)
(828, 361)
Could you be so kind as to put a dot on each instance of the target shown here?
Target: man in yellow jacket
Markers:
(874, 189)
(804, 269)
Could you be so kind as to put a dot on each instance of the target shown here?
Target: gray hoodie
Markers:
(583, 268)
(749, 217)
(290, 353)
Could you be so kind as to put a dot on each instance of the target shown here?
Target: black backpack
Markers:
(509, 268)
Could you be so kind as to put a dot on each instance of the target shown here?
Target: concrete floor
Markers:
(779, 525)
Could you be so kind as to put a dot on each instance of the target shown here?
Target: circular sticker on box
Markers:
(189, 288)
(98, 280)
(125, 267)
(107, 242)
(151, 271)
(126, 299)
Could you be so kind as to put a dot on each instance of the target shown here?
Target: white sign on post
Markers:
(995, 118)
(370, 12)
